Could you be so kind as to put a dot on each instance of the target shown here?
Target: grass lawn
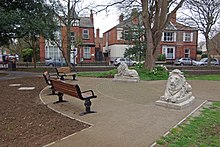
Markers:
(146, 75)
(201, 131)
(203, 77)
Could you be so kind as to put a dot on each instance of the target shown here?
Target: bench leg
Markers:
(62, 78)
(53, 91)
(74, 77)
(87, 104)
(60, 95)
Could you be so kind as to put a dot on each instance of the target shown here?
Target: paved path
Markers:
(17, 74)
(126, 114)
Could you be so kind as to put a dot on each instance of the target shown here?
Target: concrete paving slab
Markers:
(14, 85)
(26, 88)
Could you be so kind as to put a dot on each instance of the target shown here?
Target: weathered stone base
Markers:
(177, 106)
(179, 100)
(130, 79)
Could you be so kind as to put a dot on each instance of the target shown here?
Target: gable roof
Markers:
(85, 22)
(179, 27)
(170, 26)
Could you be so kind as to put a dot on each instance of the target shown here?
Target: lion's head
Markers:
(175, 81)
(176, 87)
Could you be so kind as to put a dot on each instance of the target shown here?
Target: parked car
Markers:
(183, 61)
(204, 61)
(55, 62)
(129, 62)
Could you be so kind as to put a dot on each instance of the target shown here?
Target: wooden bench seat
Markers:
(65, 71)
(73, 90)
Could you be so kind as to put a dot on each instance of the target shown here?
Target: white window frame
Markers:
(87, 52)
(188, 54)
(85, 33)
(169, 38)
(52, 51)
(75, 22)
(188, 37)
(165, 51)
(119, 34)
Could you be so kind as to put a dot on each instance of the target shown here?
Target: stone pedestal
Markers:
(126, 79)
(177, 106)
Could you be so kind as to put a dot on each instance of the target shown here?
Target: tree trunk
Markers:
(149, 62)
(68, 33)
(150, 50)
(208, 50)
(33, 41)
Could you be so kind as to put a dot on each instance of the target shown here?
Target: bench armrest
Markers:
(88, 91)
(54, 75)
(89, 96)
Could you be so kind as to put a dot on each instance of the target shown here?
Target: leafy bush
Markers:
(199, 52)
(160, 72)
(161, 57)
(204, 56)
(139, 65)
(27, 54)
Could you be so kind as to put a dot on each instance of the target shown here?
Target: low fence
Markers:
(98, 63)
(27, 64)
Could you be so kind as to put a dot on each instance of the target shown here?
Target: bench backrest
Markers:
(66, 88)
(47, 77)
(63, 69)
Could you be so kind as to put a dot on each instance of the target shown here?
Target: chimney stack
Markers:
(91, 17)
(121, 18)
(173, 19)
(97, 33)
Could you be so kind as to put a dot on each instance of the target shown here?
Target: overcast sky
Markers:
(105, 21)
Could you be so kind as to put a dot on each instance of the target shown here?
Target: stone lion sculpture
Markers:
(176, 88)
(123, 71)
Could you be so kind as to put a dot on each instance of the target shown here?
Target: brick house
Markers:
(177, 41)
(82, 31)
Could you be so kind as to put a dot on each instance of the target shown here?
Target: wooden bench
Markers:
(73, 90)
(65, 71)
(46, 76)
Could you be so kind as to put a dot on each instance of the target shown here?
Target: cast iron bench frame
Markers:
(46, 76)
(73, 90)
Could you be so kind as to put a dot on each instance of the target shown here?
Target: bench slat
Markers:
(65, 71)
(66, 88)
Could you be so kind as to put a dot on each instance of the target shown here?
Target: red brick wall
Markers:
(78, 35)
(42, 49)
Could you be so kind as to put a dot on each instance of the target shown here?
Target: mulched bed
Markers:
(26, 121)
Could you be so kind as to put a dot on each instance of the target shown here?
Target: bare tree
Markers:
(156, 14)
(203, 14)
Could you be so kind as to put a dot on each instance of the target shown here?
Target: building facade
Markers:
(177, 40)
(82, 41)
